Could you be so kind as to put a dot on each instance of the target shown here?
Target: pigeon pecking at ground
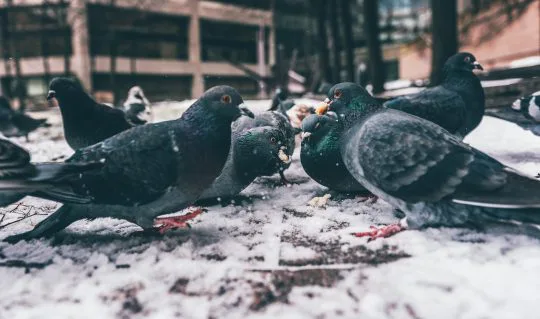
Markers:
(153, 169)
(137, 107)
(457, 104)
(19, 177)
(261, 146)
(86, 122)
(13, 123)
(428, 173)
(320, 154)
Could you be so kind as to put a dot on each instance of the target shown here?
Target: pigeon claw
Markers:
(164, 224)
(381, 232)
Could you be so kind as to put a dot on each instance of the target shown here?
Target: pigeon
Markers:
(457, 104)
(261, 146)
(19, 177)
(13, 123)
(429, 174)
(137, 107)
(279, 96)
(529, 106)
(320, 154)
(294, 112)
(153, 169)
(86, 122)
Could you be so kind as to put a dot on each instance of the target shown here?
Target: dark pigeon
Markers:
(19, 177)
(86, 122)
(137, 107)
(320, 154)
(529, 106)
(13, 123)
(428, 173)
(524, 112)
(457, 104)
(262, 146)
(279, 96)
(153, 169)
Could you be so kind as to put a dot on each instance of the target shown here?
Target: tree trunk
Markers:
(444, 36)
(19, 87)
(324, 59)
(4, 34)
(349, 40)
(336, 41)
(67, 37)
(375, 63)
(44, 43)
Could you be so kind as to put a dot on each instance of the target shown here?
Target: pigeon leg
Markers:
(283, 179)
(383, 231)
(164, 224)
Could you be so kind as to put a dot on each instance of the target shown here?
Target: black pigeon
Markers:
(54, 181)
(426, 172)
(320, 154)
(137, 107)
(279, 96)
(13, 123)
(153, 169)
(261, 146)
(86, 122)
(457, 104)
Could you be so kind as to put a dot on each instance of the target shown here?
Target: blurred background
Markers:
(175, 49)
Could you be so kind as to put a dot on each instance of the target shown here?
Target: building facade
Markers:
(172, 48)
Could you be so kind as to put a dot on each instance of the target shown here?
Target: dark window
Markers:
(221, 41)
(135, 33)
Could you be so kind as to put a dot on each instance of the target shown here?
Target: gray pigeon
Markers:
(19, 177)
(457, 104)
(86, 122)
(153, 169)
(261, 146)
(426, 172)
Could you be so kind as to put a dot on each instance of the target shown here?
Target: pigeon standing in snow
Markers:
(19, 177)
(457, 104)
(86, 122)
(426, 172)
(137, 107)
(13, 123)
(261, 146)
(320, 154)
(153, 169)
(294, 112)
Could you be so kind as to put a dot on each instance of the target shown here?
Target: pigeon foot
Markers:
(383, 231)
(164, 224)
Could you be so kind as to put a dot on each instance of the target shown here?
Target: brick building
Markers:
(172, 48)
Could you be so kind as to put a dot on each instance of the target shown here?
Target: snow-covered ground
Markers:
(271, 255)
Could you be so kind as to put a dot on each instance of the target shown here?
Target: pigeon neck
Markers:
(80, 106)
(455, 78)
(359, 112)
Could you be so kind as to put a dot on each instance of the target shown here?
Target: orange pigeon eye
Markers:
(226, 99)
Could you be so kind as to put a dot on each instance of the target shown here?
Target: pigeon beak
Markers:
(477, 65)
(305, 135)
(323, 107)
(284, 157)
(516, 106)
(245, 111)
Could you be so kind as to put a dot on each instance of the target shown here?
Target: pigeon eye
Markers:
(273, 140)
(467, 59)
(337, 94)
(226, 99)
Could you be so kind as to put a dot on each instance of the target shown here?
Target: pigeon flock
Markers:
(407, 151)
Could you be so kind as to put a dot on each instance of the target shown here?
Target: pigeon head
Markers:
(281, 94)
(65, 89)
(138, 105)
(316, 126)
(464, 61)
(225, 102)
(341, 97)
(261, 151)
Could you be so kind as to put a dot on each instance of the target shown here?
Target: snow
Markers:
(272, 255)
